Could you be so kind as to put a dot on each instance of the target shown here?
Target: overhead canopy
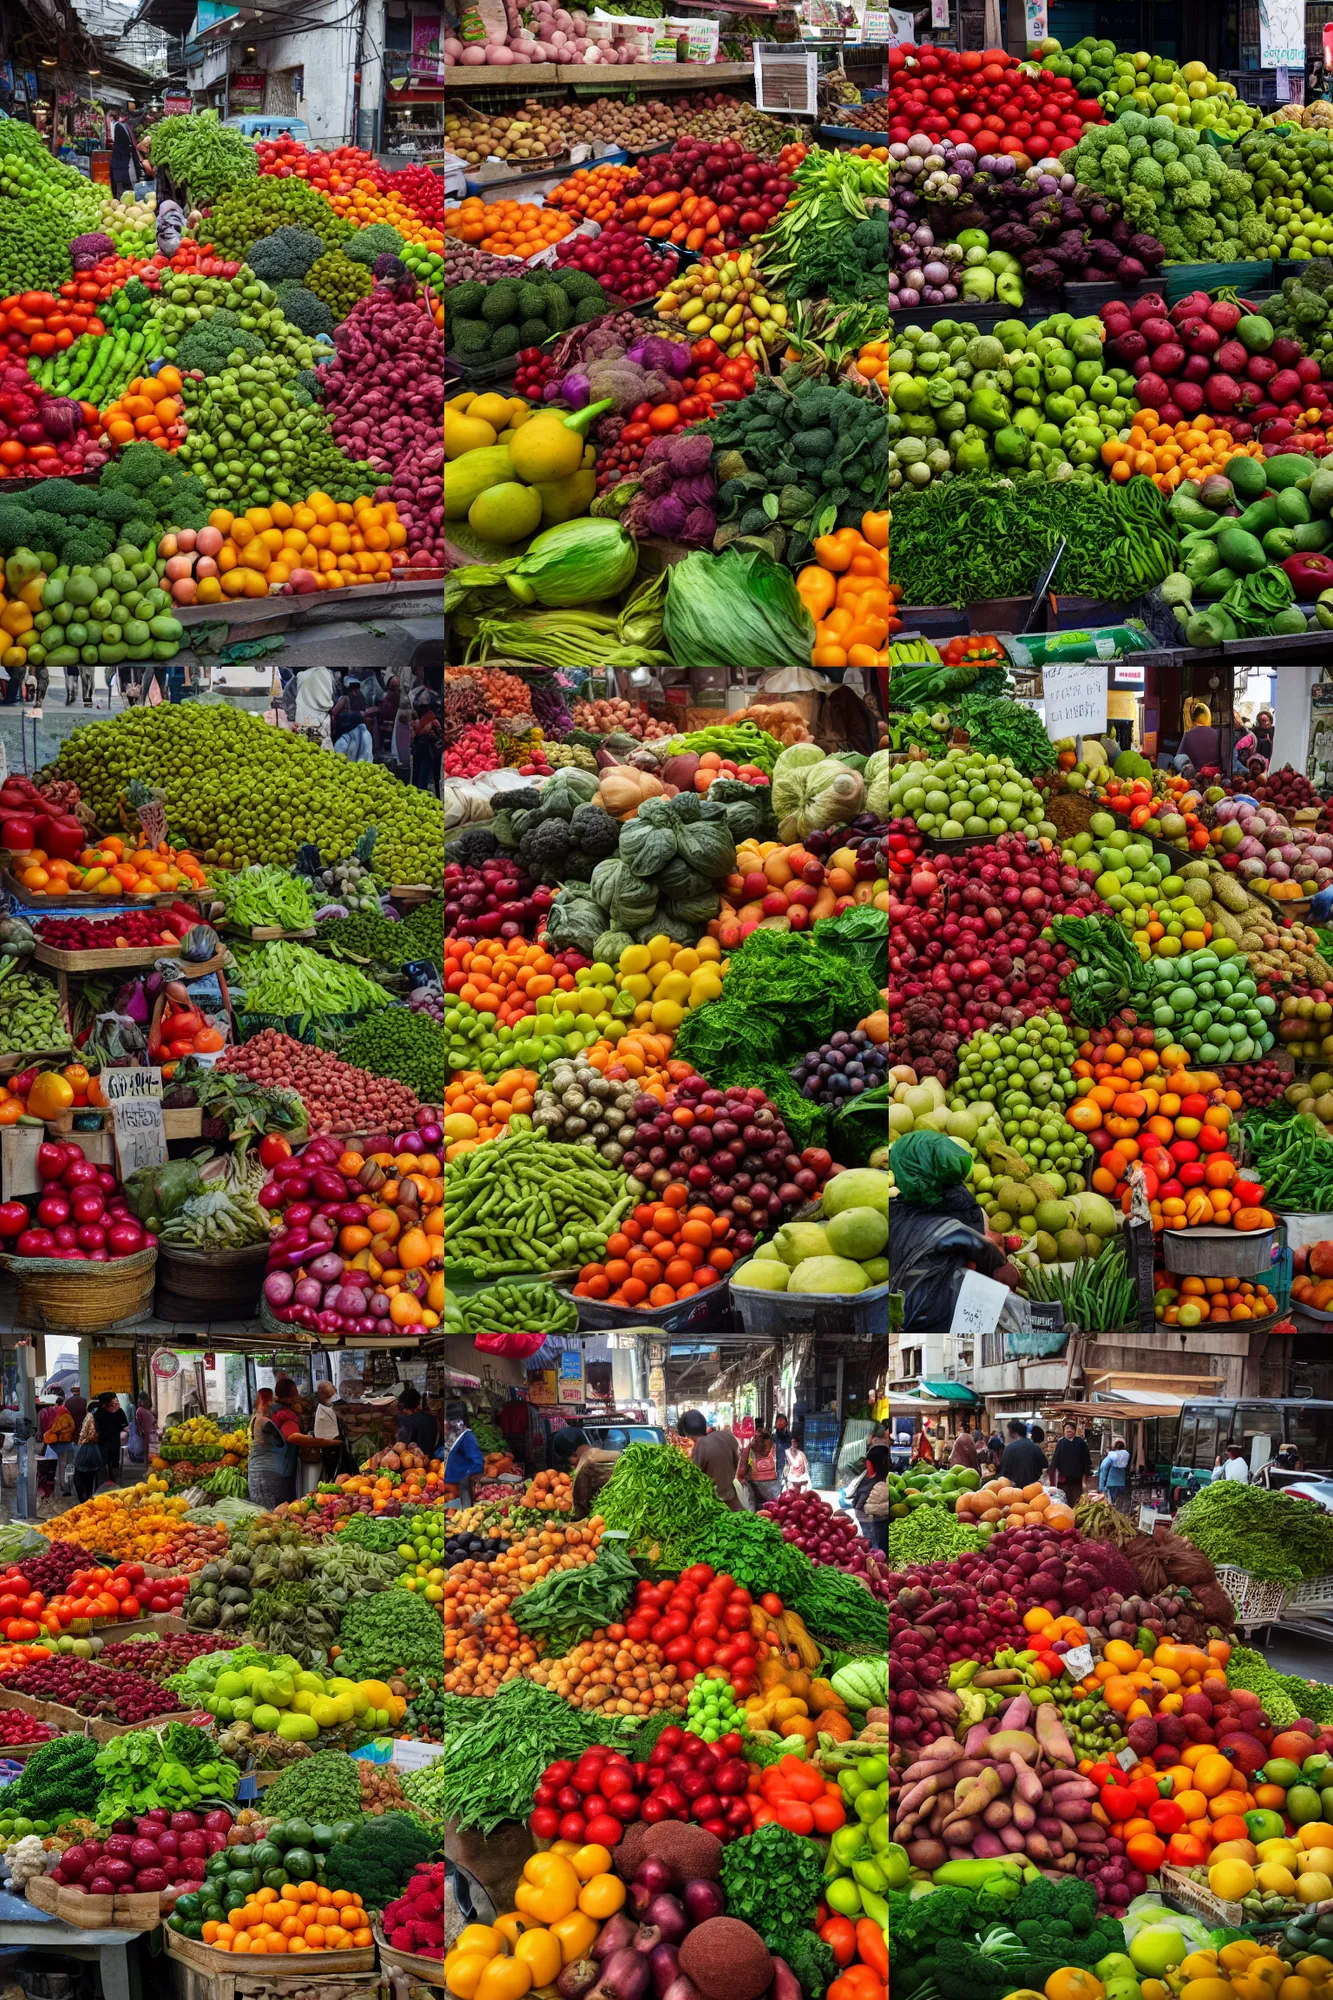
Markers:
(905, 1404)
(949, 1392)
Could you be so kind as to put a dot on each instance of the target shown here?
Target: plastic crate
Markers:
(704, 1311)
(1257, 1601)
(827, 1315)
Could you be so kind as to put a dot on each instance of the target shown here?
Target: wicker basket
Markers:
(1257, 1602)
(64, 1297)
(226, 1281)
(412, 1962)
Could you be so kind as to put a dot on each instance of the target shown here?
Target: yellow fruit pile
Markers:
(667, 981)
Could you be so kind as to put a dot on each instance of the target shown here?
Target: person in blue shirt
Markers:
(462, 1455)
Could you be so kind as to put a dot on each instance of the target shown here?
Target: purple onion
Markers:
(279, 1287)
(308, 1292)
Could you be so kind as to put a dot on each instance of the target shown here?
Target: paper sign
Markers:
(1035, 12)
(1127, 1758)
(1147, 1520)
(411, 1756)
(1128, 675)
(978, 1306)
(1074, 698)
(135, 1097)
(1079, 1662)
(1282, 39)
(939, 13)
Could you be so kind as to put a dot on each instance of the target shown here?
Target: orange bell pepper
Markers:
(816, 587)
(835, 551)
(875, 528)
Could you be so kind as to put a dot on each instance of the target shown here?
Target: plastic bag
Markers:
(809, 795)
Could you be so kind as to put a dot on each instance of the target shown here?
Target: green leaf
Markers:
(770, 505)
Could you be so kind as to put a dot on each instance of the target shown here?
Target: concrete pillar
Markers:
(1291, 722)
(372, 77)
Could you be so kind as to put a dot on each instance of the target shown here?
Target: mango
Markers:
(506, 513)
(471, 474)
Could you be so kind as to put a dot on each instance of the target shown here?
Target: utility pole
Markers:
(372, 75)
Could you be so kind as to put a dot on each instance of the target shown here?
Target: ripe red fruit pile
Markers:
(1190, 360)
(704, 1620)
(683, 1779)
(498, 899)
(159, 1851)
(415, 1921)
(732, 1149)
(810, 1524)
(81, 1215)
(979, 98)
(748, 191)
(131, 929)
(94, 1690)
(16, 1728)
(621, 260)
(969, 934)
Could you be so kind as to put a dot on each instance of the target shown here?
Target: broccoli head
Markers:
(60, 496)
(140, 465)
(504, 341)
(580, 285)
(303, 309)
(377, 239)
(20, 528)
(1317, 276)
(115, 507)
(87, 545)
(501, 302)
(475, 845)
(532, 332)
(287, 253)
(464, 301)
(545, 846)
(588, 309)
(595, 831)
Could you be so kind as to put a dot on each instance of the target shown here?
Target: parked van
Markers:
(1209, 1427)
(268, 125)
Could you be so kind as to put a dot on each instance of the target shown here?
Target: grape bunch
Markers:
(843, 1067)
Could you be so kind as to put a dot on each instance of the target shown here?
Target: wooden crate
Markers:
(134, 1911)
(112, 960)
(67, 1721)
(265, 933)
(410, 895)
(106, 1732)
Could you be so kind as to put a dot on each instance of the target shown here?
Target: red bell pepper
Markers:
(1309, 574)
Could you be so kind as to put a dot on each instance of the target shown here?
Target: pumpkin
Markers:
(623, 790)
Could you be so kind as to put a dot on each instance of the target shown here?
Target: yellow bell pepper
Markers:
(540, 1952)
(512, 1925)
(602, 1897)
(575, 1935)
(590, 1860)
(485, 1938)
(505, 1979)
(552, 1885)
(463, 1971)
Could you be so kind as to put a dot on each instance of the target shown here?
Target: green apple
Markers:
(1116, 1965)
(1157, 1950)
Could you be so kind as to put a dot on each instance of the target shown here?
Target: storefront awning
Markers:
(949, 1392)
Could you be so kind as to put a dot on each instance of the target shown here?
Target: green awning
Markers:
(949, 1392)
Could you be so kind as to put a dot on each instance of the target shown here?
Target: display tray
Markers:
(831, 1315)
(1209, 1252)
(853, 135)
(111, 959)
(78, 899)
(11, 1061)
(934, 845)
(205, 1959)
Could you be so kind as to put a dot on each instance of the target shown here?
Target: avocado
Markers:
(1293, 509)
(1240, 551)
(1248, 476)
(1290, 468)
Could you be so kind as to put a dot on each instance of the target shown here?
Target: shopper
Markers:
(77, 1405)
(1263, 730)
(1024, 1462)
(427, 752)
(275, 1445)
(781, 1443)
(995, 1450)
(348, 724)
(416, 1425)
(112, 1424)
(330, 1434)
(464, 1459)
(55, 1427)
(795, 1469)
(939, 1231)
(964, 1452)
(89, 1470)
(143, 1431)
(1071, 1462)
(1113, 1473)
(513, 1423)
(923, 1449)
(758, 1468)
(716, 1453)
(877, 1500)
(1235, 1465)
(127, 167)
(574, 1453)
(1201, 745)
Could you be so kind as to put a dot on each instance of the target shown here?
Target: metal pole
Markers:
(25, 1434)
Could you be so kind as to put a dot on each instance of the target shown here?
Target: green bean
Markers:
(522, 1203)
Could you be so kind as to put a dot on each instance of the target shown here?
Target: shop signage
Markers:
(177, 103)
(1035, 16)
(427, 57)
(111, 1368)
(1128, 675)
(1074, 698)
(135, 1097)
(1282, 37)
(1328, 45)
(410, 1756)
(166, 1364)
(246, 90)
(570, 1386)
(939, 13)
(541, 1388)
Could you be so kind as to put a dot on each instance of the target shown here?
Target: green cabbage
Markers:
(574, 922)
(736, 610)
(611, 945)
(807, 794)
(563, 794)
(877, 776)
(647, 848)
(628, 899)
(578, 562)
(709, 848)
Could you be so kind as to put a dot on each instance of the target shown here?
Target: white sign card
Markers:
(1282, 38)
(412, 1756)
(978, 1306)
(939, 13)
(1074, 698)
(1079, 1662)
(135, 1097)
(1127, 1758)
(1035, 12)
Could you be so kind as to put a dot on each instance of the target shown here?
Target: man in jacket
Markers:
(1071, 1462)
(126, 166)
(1023, 1463)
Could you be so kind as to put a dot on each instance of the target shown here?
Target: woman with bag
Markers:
(275, 1445)
(89, 1469)
(759, 1468)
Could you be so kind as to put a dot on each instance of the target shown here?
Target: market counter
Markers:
(667, 76)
